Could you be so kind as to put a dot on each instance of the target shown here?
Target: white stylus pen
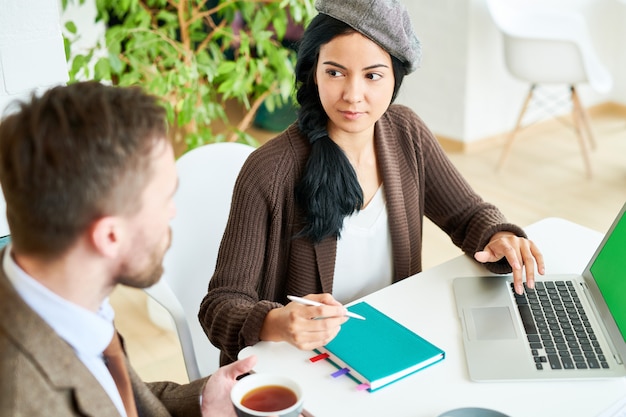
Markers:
(308, 302)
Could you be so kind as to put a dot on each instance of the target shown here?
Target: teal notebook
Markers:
(379, 350)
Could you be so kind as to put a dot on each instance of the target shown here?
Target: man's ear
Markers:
(106, 236)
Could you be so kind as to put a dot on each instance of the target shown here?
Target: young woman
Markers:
(332, 209)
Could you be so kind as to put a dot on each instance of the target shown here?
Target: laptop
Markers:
(568, 327)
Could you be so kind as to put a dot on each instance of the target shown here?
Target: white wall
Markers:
(437, 90)
(32, 57)
(463, 90)
(494, 98)
(615, 39)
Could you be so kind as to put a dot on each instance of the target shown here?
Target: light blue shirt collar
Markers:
(87, 332)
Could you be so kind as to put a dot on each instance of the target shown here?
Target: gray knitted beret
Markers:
(386, 22)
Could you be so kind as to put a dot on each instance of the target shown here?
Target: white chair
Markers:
(5, 237)
(207, 176)
(550, 46)
(4, 226)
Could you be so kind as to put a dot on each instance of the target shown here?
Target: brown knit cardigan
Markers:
(260, 262)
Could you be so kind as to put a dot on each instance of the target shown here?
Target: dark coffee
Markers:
(269, 398)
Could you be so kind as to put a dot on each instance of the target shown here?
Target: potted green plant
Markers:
(197, 55)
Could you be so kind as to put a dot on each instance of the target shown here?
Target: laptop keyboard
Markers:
(558, 330)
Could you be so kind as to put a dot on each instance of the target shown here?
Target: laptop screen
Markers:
(609, 273)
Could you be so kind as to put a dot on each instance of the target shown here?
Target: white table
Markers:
(425, 304)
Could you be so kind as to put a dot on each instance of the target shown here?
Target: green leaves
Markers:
(71, 27)
(196, 60)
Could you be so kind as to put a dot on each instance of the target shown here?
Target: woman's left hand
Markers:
(522, 254)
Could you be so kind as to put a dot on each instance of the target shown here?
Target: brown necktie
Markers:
(115, 360)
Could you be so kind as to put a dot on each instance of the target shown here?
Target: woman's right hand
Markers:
(305, 327)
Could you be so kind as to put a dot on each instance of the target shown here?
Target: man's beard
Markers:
(151, 274)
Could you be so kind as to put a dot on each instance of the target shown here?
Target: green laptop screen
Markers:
(609, 272)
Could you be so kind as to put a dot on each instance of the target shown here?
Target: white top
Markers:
(88, 333)
(364, 257)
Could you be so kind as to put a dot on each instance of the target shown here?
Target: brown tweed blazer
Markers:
(41, 376)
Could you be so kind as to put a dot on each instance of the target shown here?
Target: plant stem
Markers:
(245, 123)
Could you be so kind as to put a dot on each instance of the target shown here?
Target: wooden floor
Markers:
(543, 177)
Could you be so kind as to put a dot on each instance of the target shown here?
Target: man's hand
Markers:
(216, 395)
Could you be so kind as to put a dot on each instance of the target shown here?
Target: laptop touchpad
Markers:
(491, 323)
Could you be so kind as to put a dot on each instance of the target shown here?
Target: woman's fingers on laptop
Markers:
(531, 257)
(522, 254)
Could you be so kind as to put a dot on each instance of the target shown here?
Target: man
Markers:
(89, 177)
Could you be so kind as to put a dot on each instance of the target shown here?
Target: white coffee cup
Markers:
(258, 382)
